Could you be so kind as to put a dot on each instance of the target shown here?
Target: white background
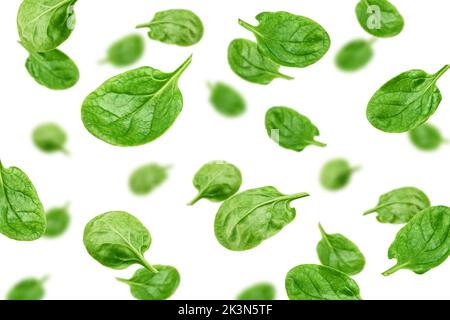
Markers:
(94, 178)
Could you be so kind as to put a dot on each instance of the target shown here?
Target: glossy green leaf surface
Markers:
(379, 18)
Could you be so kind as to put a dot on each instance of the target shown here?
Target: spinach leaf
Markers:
(176, 26)
(216, 181)
(50, 137)
(117, 239)
(336, 174)
(248, 63)
(288, 39)
(52, 69)
(28, 289)
(226, 100)
(424, 243)
(290, 129)
(338, 252)
(125, 51)
(354, 55)
(58, 220)
(247, 219)
(426, 137)
(147, 178)
(260, 291)
(380, 18)
(314, 282)
(22, 215)
(146, 285)
(400, 205)
(44, 24)
(135, 107)
(406, 101)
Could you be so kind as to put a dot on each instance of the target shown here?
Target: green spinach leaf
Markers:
(260, 291)
(288, 39)
(314, 282)
(44, 24)
(400, 205)
(216, 181)
(125, 51)
(338, 252)
(58, 220)
(28, 289)
(427, 137)
(22, 215)
(176, 26)
(424, 243)
(135, 107)
(406, 101)
(50, 137)
(354, 55)
(146, 285)
(147, 178)
(380, 18)
(336, 174)
(226, 100)
(290, 129)
(247, 219)
(248, 63)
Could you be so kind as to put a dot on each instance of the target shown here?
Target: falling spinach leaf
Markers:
(426, 137)
(314, 282)
(288, 39)
(147, 178)
(28, 289)
(290, 129)
(176, 26)
(424, 243)
(135, 107)
(226, 100)
(125, 51)
(58, 220)
(336, 174)
(338, 252)
(406, 101)
(248, 63)
(50, 137)
(379, 18)
(216, 181)
(247, 219)
(354, 55)
(400, 205)
(260, 291)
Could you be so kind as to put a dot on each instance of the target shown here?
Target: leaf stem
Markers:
(196, 199)
(317, 143)
(438, 74)
(143, 25)
(286, 77)
(183, 66)
(249, 27)
(394, 269)
(147, 265)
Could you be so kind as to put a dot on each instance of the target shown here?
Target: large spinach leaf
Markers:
(380, 18)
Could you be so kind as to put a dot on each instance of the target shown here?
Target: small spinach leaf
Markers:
(290, 129)
(28, 289)
(260, 291)
(58, 220)
(314, 282)
(247, 219)
(135, 107)
(336, 174)
(216, 181)
(338, 252)
(380, 18)
(248, 63)
(50, 137)
(288, 39)
(146, 285)
(354, 55)
(22, 215)
(426, 137)
(406, 101)
(176, 26)
(125, 51)
(424, 243)
(226, 100)
(147, 178)
(400, 205)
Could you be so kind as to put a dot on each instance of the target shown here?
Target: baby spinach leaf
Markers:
(336, 174)
(58, 220)
(147, 178)
(176, 26)
(146, 285)
(135, 107)
(117, 239)
(52, 69)
(216, 181)
(44, 24)
(125, 51)
(380, 18)
(406, 101)
(260, 291)
(426, 137)
(290, 129)
(28, 289)
(288, 39)
(226, 100)
(400, 205)
(248, 63)
(314, 282)
(424, 243)
(50, 137)
(338, 252)
(22, 215)
(354, 55)
(247, 219)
